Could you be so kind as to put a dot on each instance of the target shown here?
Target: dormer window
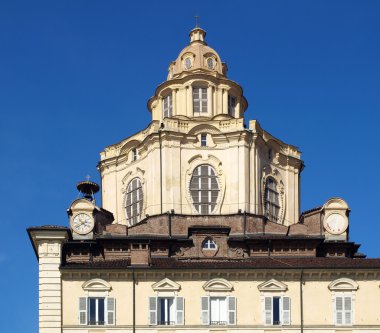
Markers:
(231, 105)
(203, 140)
(167, 106)
(199, 100)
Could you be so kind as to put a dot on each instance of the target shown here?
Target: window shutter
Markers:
(338, 310)
(180, 311)
(82, 310)
(285, 320)
(268, 310)
(231, 310)
(205, 310)
(348, 310)
(110, 311)
(152, 310)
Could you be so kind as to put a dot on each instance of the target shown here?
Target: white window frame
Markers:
(206, 312)
(178, 311)
(345, 288)
(135, 207)
(209, 244)
(284, 310)
(167, 106)
(134, 154)
(346, 311)
(109, 310)
(199, 92)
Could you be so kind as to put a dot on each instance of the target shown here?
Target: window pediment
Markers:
(273, 285)
(218, 284)
(343, 284)
(96, 285)
(166, 285)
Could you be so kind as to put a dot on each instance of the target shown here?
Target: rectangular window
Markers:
(199, 100)
(218, 310)
(231, 105)
(204, 140)
(167, 106)
(343, 309)
(134, 154)
(96, 311)
(277, 310)
(166, 310)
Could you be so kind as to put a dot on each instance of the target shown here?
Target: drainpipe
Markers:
(134, 302)
(301, 299)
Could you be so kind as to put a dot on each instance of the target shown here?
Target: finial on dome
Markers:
(197, 35)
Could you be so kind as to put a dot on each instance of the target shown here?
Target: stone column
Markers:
(48, 244)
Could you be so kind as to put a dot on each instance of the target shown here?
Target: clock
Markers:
(336, 223)
(82, 223)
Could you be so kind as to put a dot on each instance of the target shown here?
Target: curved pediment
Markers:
(166, 285)
(218, 284)
(272, 285)
(343, 284)
(96, 285)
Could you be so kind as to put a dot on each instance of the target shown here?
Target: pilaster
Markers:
(48, 246)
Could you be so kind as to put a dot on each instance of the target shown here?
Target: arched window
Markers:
(204, 189)
(272, 200)
(134, 201)
(209, 244)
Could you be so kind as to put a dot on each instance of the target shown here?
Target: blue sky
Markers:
(75, 77)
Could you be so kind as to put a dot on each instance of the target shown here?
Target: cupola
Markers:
(197, 87)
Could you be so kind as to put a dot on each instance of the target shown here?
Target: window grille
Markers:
(168, 106)
(199, 100)
(272, 200)
(204, 189)
(134, 201)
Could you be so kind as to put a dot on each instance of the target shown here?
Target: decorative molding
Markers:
(218, 284)
(272, 285)
(343, 284)
(216, 164)
(96, 285)
(166, 285)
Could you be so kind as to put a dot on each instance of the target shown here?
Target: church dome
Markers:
(197, 57)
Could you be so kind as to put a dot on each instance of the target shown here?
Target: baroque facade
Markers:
(200, 228)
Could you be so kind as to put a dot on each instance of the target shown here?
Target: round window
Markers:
(210, 63)
(187, 63)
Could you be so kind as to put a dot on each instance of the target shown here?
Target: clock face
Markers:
(82, 223)
(336, 224)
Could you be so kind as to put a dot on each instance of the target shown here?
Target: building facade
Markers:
(200, 228)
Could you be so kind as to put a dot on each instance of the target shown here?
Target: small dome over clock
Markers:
(197, 57)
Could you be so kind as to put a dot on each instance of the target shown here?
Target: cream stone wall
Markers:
(239, 154)
(48, 246)
(317, 299)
